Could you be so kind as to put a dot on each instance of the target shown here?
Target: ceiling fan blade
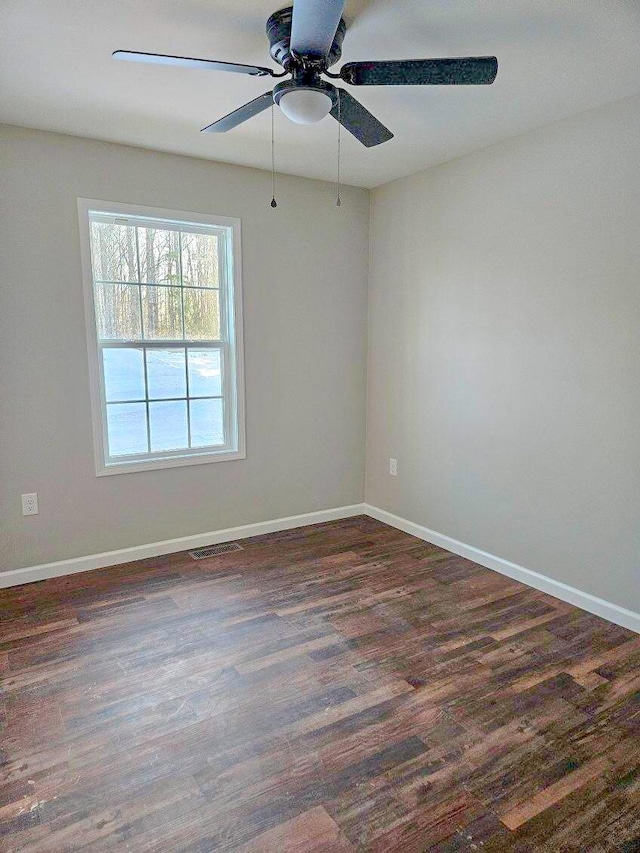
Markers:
(359, 121)
(314, 26)
(243, 113)
(188, 62)
(462, 71)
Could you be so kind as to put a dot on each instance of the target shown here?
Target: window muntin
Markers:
(165, 306)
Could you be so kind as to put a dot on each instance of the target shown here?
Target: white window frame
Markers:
(231, 349)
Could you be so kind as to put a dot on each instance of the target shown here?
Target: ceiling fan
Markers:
(306, 40)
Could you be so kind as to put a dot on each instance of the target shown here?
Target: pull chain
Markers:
(274, 203)
(338, 200)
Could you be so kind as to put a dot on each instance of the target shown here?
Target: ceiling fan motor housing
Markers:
(279, 35)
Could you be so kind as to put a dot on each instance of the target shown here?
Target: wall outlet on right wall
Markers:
(393, 467)
(30, 504)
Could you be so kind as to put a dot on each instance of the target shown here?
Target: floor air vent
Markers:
(214, 550)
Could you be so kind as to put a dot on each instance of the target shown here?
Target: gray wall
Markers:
(504, 350)
(305, 279)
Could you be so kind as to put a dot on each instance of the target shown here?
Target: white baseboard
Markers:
(170, 546)
(586, 601)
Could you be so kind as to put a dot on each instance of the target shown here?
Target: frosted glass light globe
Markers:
(305, 106)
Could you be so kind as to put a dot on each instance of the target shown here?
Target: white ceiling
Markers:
(557, 57)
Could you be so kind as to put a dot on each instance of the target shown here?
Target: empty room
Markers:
(320, 426)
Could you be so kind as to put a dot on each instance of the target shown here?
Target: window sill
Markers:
(170, 462)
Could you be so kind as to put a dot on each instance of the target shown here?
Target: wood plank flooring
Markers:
(341, 687)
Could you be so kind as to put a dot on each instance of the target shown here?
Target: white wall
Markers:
(504, 350)
(305, 279)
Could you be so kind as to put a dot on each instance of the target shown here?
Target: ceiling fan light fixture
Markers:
(305, 106)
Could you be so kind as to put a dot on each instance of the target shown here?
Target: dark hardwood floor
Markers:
(339, 687)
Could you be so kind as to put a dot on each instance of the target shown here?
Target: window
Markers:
(163, 305)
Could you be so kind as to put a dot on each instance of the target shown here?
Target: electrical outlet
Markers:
(30, 504)
(393, 467)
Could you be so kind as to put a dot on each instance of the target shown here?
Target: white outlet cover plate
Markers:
(30, 504)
